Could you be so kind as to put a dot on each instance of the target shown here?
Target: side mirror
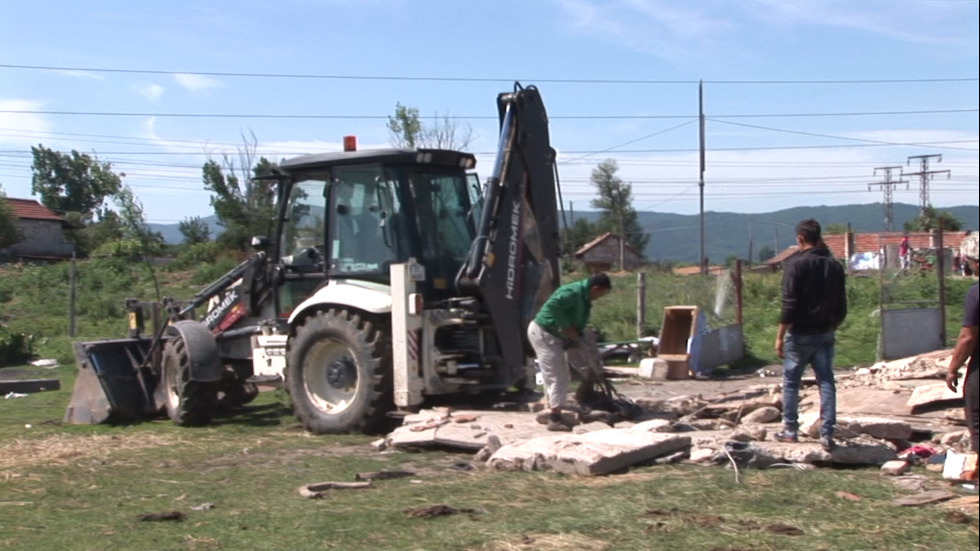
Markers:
(260, 243)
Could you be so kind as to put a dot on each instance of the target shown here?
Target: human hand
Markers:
(779, 348)
(951, 377)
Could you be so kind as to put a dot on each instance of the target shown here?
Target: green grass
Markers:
(85, 487)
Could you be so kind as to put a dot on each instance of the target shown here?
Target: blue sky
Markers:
(803, 99)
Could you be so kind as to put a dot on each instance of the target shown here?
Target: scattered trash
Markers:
(958, 517)
(430, 511)
(203, 507)
(960, 466)
(13, 394)
(383, 475)
(50, 363)
(172, 515)
(918, 451)
(318, 490)
(785, 529)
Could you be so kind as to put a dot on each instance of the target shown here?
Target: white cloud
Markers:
(196, 83)
(151, 91)
(667, 29)
(83, 74)
(17, 128)
(686, 30)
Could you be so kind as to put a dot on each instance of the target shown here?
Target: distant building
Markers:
(603, 252)
(882, 246)
(43, 234)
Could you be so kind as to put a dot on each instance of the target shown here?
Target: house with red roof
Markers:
(606, 251)
(43, 234)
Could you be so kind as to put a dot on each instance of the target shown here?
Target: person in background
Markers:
(814, 305)
(557, 327)
(903, 252)
(967, 350)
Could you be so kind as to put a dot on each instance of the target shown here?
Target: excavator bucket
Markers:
(112, 384)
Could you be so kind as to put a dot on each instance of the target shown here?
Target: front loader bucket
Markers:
(111, 385)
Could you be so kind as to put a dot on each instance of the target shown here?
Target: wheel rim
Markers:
(330, 374)
(172, 379)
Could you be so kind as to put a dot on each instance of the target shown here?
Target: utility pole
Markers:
(622, 237)
(887, 186)
(925, 175)
(704, 265)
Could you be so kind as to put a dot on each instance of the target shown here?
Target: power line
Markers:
(484, 117)
(479, 79)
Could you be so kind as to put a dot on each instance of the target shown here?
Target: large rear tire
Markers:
(339, 374)
(189, 403)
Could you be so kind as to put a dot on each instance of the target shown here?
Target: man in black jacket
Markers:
(814, 305)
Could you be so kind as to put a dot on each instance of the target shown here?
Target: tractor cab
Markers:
(351, 215)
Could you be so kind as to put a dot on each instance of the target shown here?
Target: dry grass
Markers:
(63, 449)
(549, 542)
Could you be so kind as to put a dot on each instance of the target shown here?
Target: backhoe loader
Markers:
(391, 278)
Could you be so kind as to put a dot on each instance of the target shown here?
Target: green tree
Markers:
(580, 233)
(73, 182)
(615, 201)
(245, 207)
(765, 253)
(9, 233)
(194, 230)
(405, 127)
(76, 186)
(835, 229)
(408, 130)
(930, 219)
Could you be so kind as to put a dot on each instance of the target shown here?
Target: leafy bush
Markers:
(196, 255)
(211, 272)
(15, 348)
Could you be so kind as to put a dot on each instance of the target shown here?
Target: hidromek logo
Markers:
(515, 224)
(215, 315)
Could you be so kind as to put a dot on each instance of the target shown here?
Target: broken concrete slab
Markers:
(933, 395)
(849, 453)
(880, 427)
(924, 498)
(765, 414)
(472, 435)
(653, 425)
(895, 467)
(594, 453)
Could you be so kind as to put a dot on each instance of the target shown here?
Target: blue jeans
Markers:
(816, 350)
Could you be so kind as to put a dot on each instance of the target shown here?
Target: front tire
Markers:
(339, 374)
(188, 403)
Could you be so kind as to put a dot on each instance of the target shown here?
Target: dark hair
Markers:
(600, 280)
(809, 229)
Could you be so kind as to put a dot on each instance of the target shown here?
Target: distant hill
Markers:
(676, 237)
(171, 232)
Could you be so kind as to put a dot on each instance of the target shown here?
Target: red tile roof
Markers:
(595, 242)
(31, 209)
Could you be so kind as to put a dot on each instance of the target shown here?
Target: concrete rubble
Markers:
(882, 411)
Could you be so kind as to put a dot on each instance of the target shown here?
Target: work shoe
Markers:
(558, 426)
(785, 436)
(827, 443)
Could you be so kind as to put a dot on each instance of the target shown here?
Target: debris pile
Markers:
(883, 412)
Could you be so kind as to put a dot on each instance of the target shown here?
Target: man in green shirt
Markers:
(558, 326)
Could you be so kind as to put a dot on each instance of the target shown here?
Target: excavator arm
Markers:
(514, 263)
